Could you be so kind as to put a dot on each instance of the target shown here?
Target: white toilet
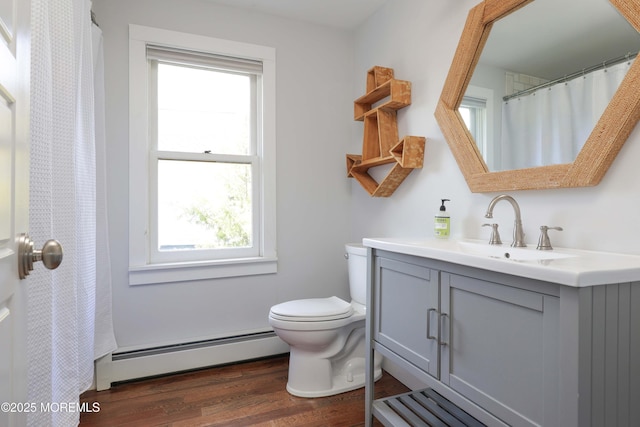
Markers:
(327, 337)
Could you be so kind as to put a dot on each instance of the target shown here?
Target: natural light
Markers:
(203, 204)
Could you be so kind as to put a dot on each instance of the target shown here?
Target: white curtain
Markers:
(105, 341)
(62, 303)
(551, 125)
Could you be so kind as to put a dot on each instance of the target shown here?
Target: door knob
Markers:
(50, 255)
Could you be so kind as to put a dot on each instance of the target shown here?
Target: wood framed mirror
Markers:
(598, 152)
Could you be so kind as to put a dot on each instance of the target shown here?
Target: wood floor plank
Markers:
(239, 395)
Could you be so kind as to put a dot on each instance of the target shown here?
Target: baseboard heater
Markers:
(129, 365)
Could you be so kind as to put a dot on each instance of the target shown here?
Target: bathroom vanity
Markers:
(512, 336)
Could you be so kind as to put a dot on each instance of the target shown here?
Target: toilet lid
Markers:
(313, 309)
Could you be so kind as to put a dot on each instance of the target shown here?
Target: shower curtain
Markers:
(67, 323)
(551, 125)
(105, 341)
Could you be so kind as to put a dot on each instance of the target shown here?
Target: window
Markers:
(477, 111)
(474, 114)
(202, 165)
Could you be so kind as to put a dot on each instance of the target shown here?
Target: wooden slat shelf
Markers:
(398, 91)
(375, 111)
(422, 408)
(409, 153)
(362, 166)
(380, 143)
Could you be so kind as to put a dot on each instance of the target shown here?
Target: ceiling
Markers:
(346, 14)
(577, 33)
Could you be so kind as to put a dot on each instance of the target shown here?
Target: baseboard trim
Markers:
(117, 367)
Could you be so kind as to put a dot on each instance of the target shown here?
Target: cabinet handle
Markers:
(440, 333)
(429, 336)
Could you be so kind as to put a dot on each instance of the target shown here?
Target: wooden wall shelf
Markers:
(380, 143)
(398, 92)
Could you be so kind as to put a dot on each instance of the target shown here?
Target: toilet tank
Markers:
(357, 264)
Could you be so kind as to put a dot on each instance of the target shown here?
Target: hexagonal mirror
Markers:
(542, 93)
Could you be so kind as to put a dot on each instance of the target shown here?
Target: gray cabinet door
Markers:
(501, 349)
(406, 298)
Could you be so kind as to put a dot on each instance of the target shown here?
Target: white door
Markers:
(14, 209)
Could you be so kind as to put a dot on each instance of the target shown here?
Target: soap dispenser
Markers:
(442, 222)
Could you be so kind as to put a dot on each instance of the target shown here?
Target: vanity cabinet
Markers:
(500, 348)
(489, 340)
(503, 345)
(405, 295)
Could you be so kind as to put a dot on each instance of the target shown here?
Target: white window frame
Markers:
(253, 70)
(487, 124)
(143, 267)
(478, 120)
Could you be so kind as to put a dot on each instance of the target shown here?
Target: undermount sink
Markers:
(508, 252)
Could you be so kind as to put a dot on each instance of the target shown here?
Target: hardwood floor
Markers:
(245, 394)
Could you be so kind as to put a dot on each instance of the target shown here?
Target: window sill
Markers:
(188, 271)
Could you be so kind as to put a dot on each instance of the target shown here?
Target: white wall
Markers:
(320, 71)
(314, 111)
(418, 39)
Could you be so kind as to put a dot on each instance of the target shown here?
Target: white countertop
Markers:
(571, 267)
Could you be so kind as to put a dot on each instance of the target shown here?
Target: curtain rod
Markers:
(629, 56)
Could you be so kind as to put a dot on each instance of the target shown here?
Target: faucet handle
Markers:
(495, 236)
(544, 244)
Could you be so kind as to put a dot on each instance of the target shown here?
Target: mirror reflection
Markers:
(545, 75)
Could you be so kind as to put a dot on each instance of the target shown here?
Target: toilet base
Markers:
(319, 378)
(341, 383)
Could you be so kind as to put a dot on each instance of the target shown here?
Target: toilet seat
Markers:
(312, 310)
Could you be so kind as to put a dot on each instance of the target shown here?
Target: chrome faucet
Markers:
(518, 234)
